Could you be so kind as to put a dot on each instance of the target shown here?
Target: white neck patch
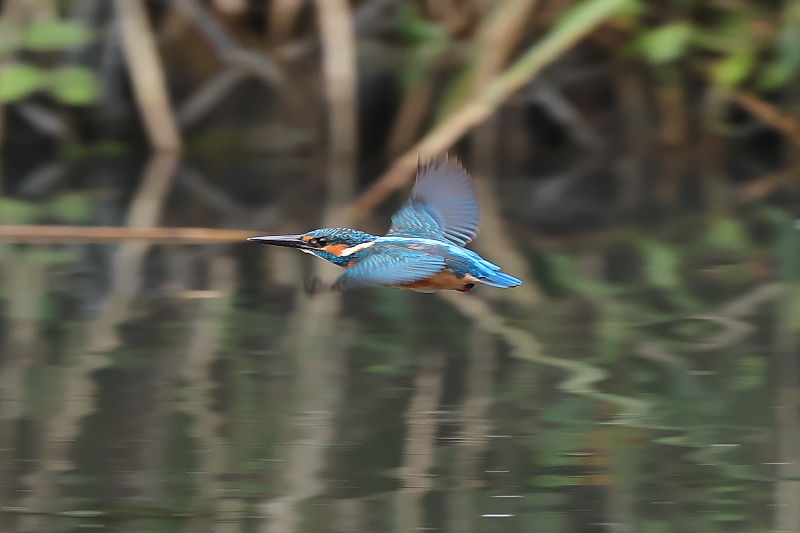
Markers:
(356, 248)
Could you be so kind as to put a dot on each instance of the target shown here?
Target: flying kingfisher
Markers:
(424, 249)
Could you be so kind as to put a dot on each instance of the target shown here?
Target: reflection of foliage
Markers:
(661, 334)
(69, 208)
(250, 377)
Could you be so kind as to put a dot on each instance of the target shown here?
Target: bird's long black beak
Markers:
(290, 241)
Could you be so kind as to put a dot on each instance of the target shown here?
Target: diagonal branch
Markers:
(578, 23)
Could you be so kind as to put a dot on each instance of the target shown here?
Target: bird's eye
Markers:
(322, 241)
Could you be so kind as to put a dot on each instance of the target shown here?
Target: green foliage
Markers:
(75, 85)
(19, 80)
(733, 43)
(44, 388)
(18, 212)
(752, 373)
(48, 256)
(415, 30)
(727, 234)
(774, 76)
(565, 272)
(661, 263)
(732, 70)
(71, 85)
(665, 44)
(555, 481)
(69, 208)
(655, 526)
(546, 522)
(55, 35)
(72, 208)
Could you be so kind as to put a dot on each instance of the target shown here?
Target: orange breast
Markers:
(444, 280)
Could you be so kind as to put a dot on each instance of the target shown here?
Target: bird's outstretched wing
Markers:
(443, 205)
(387, 264)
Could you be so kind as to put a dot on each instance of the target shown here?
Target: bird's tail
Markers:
(499, 279)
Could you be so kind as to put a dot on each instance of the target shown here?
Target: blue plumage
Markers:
(424, 247)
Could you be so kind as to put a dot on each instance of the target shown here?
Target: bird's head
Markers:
(337, 245)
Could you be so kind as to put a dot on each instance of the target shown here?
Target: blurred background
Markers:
(637, 163)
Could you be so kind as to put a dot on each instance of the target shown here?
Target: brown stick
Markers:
(147, 76)
(769, 114)
(765, 185)
(114, 234)
(339, 67)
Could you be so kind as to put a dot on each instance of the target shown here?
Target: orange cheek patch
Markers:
(306, 238)
(335, 249)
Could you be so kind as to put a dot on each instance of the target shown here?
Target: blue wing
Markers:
(443, 205)
(387, 264)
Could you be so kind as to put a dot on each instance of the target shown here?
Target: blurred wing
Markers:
(390, 265)
(443, 205)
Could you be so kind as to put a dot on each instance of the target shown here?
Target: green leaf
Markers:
(18, 212)
(554, 458)
(49, 256)
(43, 390)
(774, 76)
(415, 30)
(727, 234)
(655, 526)
(732, 70)
(550, 481)
(564, 271)
(729, 517)
(55, 35)
(727, 489)
(21, 79)
(72, 208)
(75, 85)
(546, 522)
(548, 500)
(752, 373)
(667, 43)
(789, 37)
(661, 263)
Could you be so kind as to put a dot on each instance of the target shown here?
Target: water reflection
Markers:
(198, 388)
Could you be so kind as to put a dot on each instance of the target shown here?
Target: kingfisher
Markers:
(424, 249)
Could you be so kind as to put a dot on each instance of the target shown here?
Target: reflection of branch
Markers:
(733, 332)
(787, 493)
(318, 342)
(474, 429)
(420, 439)
(319, 354)
(23, 285)
(525, 346)
(206, 334)
(79, 384)
(213, 196)
(485, 102)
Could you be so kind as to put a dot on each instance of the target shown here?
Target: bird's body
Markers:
(423, 250)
